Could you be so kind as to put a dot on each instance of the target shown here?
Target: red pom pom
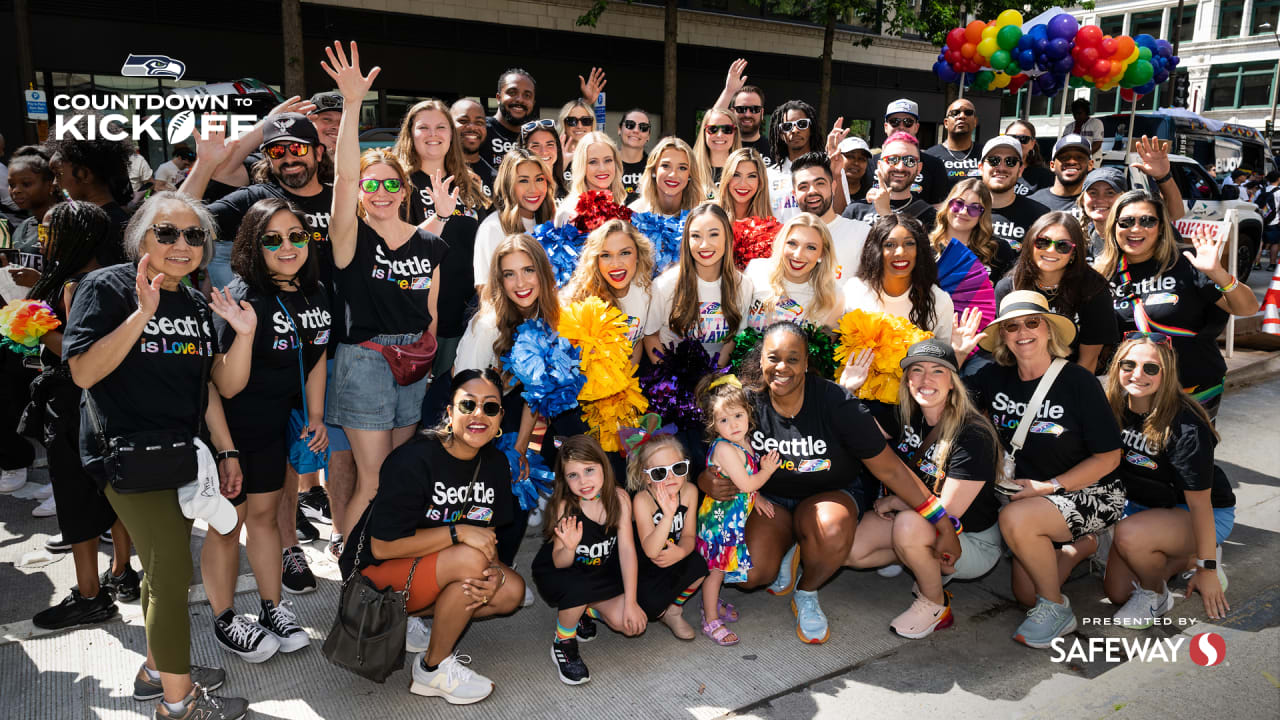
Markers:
(753, 238)
(596, 207)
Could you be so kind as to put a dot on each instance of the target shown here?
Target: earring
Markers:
(499, 433)
(448, 431)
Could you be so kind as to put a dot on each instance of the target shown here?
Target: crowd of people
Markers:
(292, 296)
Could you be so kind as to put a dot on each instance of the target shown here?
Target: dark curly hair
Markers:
(246, 254)
(924, 273)
(817, 137)
(106, 160)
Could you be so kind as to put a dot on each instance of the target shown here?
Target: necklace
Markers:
(953, 155)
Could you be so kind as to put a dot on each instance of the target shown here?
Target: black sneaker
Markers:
(568, 663)
(76, 609)
(144, 688)
(586, 629)
(314, 503)
(296, 577)
(280, 621)
(306, 532)
(57, 545)
(243, 637)
(127, 587)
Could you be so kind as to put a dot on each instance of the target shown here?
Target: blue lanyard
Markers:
(301, 374)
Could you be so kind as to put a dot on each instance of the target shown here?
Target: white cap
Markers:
(202, 498)
(852, 143)
(903, 106)
(1006, 141)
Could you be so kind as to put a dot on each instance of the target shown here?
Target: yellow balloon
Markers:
(1001, 80)
(987, 47)
(1009, 17)
(989, 32)
(1133, 57)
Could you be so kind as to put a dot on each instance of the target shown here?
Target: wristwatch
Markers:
(1057, 486)
(1206, 564)
(453, 533)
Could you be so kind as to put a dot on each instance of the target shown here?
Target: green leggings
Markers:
(162, 536)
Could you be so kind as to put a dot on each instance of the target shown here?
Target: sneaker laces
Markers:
(295, 561)
(204, 695)
(242, 632)
(283, 617)
(456, 670)
(808, 603)
(1042, 611)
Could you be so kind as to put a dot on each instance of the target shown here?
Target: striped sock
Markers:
(684, 596)
(564, 634)
(593, 613)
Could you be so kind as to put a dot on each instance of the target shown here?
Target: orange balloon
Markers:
(968, 50)
(1124, 47)
(973, 31)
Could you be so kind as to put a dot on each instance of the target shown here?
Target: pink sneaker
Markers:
(923, 617)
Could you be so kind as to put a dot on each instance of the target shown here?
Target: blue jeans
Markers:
(220, 266)
(1224, 519)
(365, 396)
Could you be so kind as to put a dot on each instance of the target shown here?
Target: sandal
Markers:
(727, 611)
(718, 633)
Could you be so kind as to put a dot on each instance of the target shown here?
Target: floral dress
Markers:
(722, 524)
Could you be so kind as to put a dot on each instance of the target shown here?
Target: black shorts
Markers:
(263, 470)
(83, 511)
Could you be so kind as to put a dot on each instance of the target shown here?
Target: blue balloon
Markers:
(1063, 27)
(1039, 32)
(1145, 40)
(1064, 65)
(1039, 44)
(1024, 43)
(1173, 61)
(1160, 77)
(1164, 48)
(1145, 89)
(945, 73)
(1027, 59)
(1058, 48)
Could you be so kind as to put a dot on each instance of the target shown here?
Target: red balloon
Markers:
(1016, 82)
(1089, 36)
(1108, 48)
(1089, 56)
(955, 38)
(1102, 68)
(1080, 69)
(1128, 95)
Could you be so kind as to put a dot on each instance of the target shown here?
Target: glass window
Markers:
(1238, 86)
(1112, 25)
(1040, 105)
(1146, 22)
(1186, 31)
(1196, 183)
(1255, 87)
(1265, 11)
(1106, 102)
(1230, 18)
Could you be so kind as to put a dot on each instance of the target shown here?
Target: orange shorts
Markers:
(395, 573)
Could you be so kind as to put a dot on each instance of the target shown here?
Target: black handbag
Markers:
(367, 637)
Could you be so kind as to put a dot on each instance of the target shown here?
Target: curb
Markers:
(1254, 372)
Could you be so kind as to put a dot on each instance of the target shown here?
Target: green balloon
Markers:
(1144, 53)
(1076, 82)
(1130, 77)
(1144, 73)
(1008, 36)
(1000, 59)
(983, 79)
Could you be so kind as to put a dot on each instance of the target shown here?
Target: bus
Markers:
(1216, 145)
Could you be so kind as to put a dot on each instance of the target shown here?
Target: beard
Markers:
(819, 208)
(505, 115)
(296, 181)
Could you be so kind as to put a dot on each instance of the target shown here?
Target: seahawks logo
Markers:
(153, 66)
(282, 124)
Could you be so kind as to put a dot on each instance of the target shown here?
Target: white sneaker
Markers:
(1142, 608)
(45, 509)
(417, 635)
(452, 680)
(12, 480)
(889, 571)
(535, 515)
(528, 596)
(44, 492)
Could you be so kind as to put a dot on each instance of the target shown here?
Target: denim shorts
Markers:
(790, 504)
(1224, 519)
(365, 396)
(337, 438)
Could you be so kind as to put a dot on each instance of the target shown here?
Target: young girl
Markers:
(797, 283)
(744, 189)
(670, 571)
(524, 197)
(596, 166)
(617, 266)
(587, 567)
(722, 538)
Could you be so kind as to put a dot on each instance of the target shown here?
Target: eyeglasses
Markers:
(1148, 368)
(544, 124)
(1062, 247)
(958, 206)
(658, 474)
(468, 406)
(1155, 337)
(575, 121)
(721, 129)
(1146, 221)
(167, 234)
(907, 161)
(751, 109)
(1009, 160)
(790, 125)
(296, 149)
(632, 125)
(1014, 326)
(1024, 139)
(901, 122)
(967, 112)
(370, 185)
(273, 241)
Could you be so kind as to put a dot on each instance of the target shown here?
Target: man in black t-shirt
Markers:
(959, 152)
(517, 98)
(1071, 163)
(896, 170)
(472, 132)
(1011, 214)
(931, 184)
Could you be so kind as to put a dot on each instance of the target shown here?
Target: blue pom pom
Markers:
(563, 245)
(548, 367)
(540, 479)
(665, 234)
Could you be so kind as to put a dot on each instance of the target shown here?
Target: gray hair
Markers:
(145, 217)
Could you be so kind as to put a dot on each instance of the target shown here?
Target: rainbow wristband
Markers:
(931, 509)
(1235, 283)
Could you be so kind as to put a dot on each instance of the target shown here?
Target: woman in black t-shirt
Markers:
(430, 527)
(956, 221)
(633, 135)
(1053, 263)
(1181, 507)
(826, 437)
(389, 275)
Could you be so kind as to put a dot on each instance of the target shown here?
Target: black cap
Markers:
(931, 350)
(289, 127)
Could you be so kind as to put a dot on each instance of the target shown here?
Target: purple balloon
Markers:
(1160, 77)
(1064, 65)
(1058, 48)
(1040, 43)
(1173, 61)
(1164, 48)
(1064, 27)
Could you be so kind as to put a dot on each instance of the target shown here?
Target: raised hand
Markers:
(965, 332)
(593, 84)
(838, 132)
(346, 75)
(294, 104)
(734, 81)
(444, 196)
(1153, 154)
(569, 532)
(148, 290)
(857, 369)
(1207, 252)
(879, 195)
(240, 317)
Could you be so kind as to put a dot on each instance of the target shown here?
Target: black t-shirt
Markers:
(1095, 319)
(1011, 222)
(157, 384)
(1034, 179)
(1182, 304)
(112, 251)
(387, 291)
(259, 414)
(972, 457)
(497, 142)
(421, 485)
(956, 165)
(487, 174)
(1159, 478)
(456, 287)
(1074, 422)
(632, 174)
(914, 206)
(229, 211)
(1005, 258)
(822, 447)
(1053, 201)
(761, 145)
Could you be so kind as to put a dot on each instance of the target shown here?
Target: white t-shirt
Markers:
(637, 305)
(170, 173)
(793, 305)
(713, 330)
(488, 237)
(848, 236)
(781, 195)
(139, 171)
(475, 349)
(1091, 132)
(857, 296)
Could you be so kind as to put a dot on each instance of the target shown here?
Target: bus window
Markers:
(1195, 183)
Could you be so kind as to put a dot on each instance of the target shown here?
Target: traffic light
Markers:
(1181, 89)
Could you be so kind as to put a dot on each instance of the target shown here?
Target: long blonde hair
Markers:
(507, 315)
(383, 156)
(958, 413)
(1169, 397)
(702, 151)
(694, 191)
(470, 189)
(637, 479)
(822, 277)
(579, 166)
(588, 281)
(1166, 252)
(982, 240)
(760, 204)
(684, 306)
(505, 199)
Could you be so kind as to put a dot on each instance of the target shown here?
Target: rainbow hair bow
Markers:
(631, 438)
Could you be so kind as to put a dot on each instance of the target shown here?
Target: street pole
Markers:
(1275, 79)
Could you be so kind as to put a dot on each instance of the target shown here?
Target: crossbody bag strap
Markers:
(302, 375)
(203, 315)
(1037, 399)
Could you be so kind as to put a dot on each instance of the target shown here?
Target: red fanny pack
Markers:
(409, 363)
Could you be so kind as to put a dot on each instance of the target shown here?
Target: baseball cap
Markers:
(1112, 176)
(1004, 141)
(289, 127)
(202, 498)
(852, 143)
(1072, 140)
(903, 105)
(331, 100)
(930, 350)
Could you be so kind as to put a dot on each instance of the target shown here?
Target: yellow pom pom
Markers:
(600, 331)
(888, 336)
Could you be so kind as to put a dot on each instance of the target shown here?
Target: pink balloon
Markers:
(1108, 47)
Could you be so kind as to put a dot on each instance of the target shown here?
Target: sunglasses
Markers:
(1024, 139)
(296, 149)
(958, 206)
(1146, 221)
(632, 125)
(901, 122)
(721, 129)
(273, 241)
(1014, 326)
(907, 161)
(1149, 368)
(468, 406)
(575, 121)
(543, 124)
(1009, 160)
(658, 474)
(967, 112)
(790, 125)
(1155, 337)
(167, 234)
(1062, 247)
(370, 185)
(752, 109)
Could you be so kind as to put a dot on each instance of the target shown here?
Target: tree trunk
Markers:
(824, 83)
(291, 25)
(669, 35)
(26, 65)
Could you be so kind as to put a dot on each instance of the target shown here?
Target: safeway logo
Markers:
(1208, 649)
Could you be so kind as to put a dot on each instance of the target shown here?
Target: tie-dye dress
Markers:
(722, 524)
